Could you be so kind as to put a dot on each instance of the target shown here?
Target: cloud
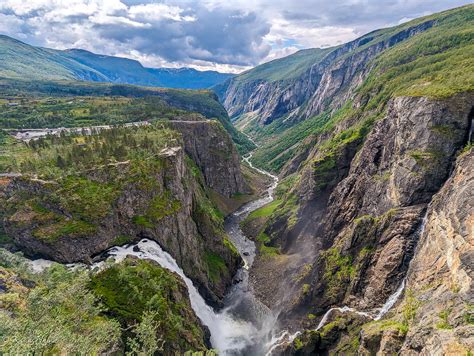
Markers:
(229, 35)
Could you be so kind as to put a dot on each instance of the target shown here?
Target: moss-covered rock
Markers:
(133, 287)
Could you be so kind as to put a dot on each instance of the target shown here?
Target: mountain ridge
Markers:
(21, 60)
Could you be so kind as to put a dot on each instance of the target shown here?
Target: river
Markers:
(244, 326)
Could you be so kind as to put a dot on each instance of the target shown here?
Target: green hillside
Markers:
(40, 104)
(286, 68)
(438, 62)
(22, 61)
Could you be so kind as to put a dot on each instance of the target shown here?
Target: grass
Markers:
(48, 103)
(436, 63)
(266, 251)
(216, 266)
(338, 271)
(286, 68)
(264, 211)
(444, 323)
(122, 240)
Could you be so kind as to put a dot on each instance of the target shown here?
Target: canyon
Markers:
(339, 220)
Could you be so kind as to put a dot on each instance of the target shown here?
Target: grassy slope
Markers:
(22, 61)
(436, 63)
(286, 68)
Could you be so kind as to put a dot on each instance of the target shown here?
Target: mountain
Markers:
(365, 249)
(139, 103)
(362, 245)
(282, 102)
(20, 60)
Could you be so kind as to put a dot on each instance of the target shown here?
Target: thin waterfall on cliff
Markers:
(286, 338)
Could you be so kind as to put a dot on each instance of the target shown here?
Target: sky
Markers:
(223, 35)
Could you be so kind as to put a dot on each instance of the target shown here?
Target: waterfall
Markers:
(391, 300)
(396, 295)
(286, 338)
(244, 326)
(343, 309)
(227, 333)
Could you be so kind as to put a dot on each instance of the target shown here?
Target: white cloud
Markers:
(228, 35)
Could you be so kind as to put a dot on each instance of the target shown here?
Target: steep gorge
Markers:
(364, 247)
(164, 197)
(361, 161)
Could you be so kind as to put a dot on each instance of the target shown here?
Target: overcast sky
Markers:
(225, 35)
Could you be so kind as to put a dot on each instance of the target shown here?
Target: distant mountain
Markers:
(20, 60)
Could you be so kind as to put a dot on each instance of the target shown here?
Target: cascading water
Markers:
(285, 337)
(244, 326)
(391, 301)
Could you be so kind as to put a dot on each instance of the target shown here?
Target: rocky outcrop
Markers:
(404, 161)
(209, 146)
(440, 277)
(160, 291)
(164, 199)
(359, 208)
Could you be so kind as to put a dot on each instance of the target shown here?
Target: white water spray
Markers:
(227, 333)
(391, 301)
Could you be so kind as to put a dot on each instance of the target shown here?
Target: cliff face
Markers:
(164, 199)
(214, 153)
(360, 214)
(440, 274)
(327, 83)
(374, 213)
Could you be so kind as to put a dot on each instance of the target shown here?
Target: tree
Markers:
(146, 341)
(61, 316)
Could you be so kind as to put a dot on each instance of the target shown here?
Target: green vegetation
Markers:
(86, 176)
(426, 159)
(122, 240)
(338, 271)
(389, 324)
(267, 251)
(444, 323)
(20, 60)
(41, 104)
(59, 315)
(265, 211)
(216, 266)
(162, 205)
(138, 289)
(436, 63)
(284, 69)
(134, 307)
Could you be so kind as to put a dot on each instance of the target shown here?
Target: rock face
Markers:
(164, 200)
(441, 273)
(380, 204)
(374, 234)
(327, 83)
(207, 143)
(361, 215)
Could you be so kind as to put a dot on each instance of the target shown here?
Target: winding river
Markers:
(244, 326)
